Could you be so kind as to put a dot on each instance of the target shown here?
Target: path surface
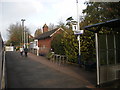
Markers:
(38, 72)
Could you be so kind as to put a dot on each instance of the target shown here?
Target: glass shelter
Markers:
(107, 50)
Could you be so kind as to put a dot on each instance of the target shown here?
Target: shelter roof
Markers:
(115, 23)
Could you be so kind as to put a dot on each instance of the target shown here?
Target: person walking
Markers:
(21, 51)
(25, 51)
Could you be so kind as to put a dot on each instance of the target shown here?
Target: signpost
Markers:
(78, 32)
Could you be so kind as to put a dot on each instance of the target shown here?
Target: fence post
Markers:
(0, 61)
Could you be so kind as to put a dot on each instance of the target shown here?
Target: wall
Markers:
(45, 44)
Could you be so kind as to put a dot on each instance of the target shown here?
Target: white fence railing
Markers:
(2, 66)
(58, 59)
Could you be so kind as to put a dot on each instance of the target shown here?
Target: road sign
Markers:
(74, 27)
(78, 32)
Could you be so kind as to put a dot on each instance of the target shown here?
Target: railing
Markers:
(3, 79)
(33, 50)
(2, 66)
(58, 59)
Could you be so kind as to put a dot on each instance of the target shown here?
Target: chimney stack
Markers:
(45, 28)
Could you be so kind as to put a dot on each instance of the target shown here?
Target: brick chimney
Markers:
(45, 28)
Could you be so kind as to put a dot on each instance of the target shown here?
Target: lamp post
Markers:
(78, 27)
(23, 32)
(78, 32)
(27, 37)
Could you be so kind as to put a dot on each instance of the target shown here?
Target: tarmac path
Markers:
(38, 72)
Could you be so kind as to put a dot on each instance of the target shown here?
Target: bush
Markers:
(57, 45)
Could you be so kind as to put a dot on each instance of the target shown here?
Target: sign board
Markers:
(78, 32)
(74, 27)
(9, 48)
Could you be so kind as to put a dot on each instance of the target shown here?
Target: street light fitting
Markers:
(22, 19)
(23, 32)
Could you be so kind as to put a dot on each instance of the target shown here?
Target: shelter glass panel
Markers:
(117, 48)
(110, 39)
(118, 56)
(111, 57)
(118, 41)
(102, 41)
(102, 49)
(103, 57)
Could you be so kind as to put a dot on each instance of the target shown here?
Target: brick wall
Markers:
(45, 44)
(45, 28)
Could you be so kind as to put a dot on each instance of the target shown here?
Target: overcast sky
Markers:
(36, 12)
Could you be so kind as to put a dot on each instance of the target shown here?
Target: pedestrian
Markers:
(25, 51)
(21, 51)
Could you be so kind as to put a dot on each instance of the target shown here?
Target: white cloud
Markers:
(36, 12)
(67, 8)
(37, 5)
(12, 12)
(21, 9)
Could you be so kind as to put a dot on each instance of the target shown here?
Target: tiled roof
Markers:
(46, 34)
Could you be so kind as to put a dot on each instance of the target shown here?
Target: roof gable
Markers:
(56, 31)
(48, 34)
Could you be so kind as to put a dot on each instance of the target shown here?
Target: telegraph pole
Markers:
(78, 26)
(23, 32)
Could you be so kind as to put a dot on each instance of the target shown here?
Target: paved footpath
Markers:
(38, 72)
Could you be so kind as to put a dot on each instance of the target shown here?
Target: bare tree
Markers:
(15, 34)
(38, 32)
(51, 26)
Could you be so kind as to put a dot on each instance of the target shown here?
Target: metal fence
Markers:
(2, 65)
(59, 59)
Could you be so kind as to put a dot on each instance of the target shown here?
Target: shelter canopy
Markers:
(115, 23)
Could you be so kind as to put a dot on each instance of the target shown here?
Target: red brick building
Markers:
(44, 40)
